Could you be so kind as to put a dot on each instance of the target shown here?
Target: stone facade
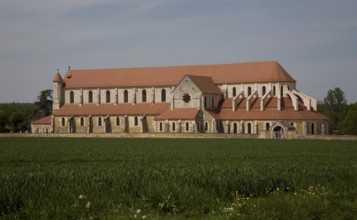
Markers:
(198, 103)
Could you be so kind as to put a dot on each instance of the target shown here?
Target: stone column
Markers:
(89, 124)
(255, 127)
(304, 128)
(214, 126)
(81, 97)
(134, 96)
(179, 126)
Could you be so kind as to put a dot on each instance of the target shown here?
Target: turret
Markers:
(58, 92)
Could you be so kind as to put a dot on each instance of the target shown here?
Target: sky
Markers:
(314, 40)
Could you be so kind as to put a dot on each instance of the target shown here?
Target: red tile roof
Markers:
(286, 114)
(250, 72)
(57, 78)
(43, 121)
(179, 113)
(205, 84)
(111, 109)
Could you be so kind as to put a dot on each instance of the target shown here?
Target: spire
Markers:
(58, 77)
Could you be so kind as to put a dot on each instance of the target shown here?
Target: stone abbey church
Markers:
(258, 98)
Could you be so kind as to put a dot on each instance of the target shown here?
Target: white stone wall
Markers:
(187, 87)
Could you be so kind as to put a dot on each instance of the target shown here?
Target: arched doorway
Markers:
(278, 133)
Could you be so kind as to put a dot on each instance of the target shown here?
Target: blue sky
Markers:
(314, 40)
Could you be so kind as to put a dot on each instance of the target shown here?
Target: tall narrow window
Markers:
(163, 95)
(136, 121)
(263, 90)
(173, 126)
(234, 91)
(63, 122)
(126, 96)
(249, 128)
(107, 95)
(100, 121)
(117, 121)
(312, 128)
(143, 96)
(205, 101)
(249, 90)
(274, 91)
(90, 97)
(267, 126)
(160, 125)
(187, 126)
(71, 97)
(206, 126)
(82, 121)
(281, 91)
(235, 128)
(212, 101)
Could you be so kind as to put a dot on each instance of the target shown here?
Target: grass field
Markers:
(74, 178)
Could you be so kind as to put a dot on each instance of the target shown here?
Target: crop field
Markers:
(93, 178)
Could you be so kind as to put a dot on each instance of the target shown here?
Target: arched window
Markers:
(274, 91)
(267, 126)
(187, 126)
(143, 96)
(173, 126)
(160, 126)
(312, 128)
(206, 126)
(71, 97)
(163, 95)
(107, 95)
(249, 90)
(235, 128)
(63, 122)
(249, 128)
(117, 121)
(126, 96)
(100, 121)
(90, 97)
(82, 121)
(263, 90)
(136, 121)
(234, 91)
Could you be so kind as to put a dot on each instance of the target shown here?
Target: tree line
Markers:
(17, 117)
(343, 116)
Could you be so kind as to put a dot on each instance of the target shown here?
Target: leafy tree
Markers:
(3, 121)
(44, 103)
(16, 120)
(350, 121)
(336, 107)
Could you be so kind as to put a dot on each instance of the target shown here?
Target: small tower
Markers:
(58, 92)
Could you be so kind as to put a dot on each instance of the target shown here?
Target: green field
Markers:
(74, 178)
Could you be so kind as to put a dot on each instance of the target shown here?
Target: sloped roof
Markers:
(57, 78)
(111, 109)
(205, 84)
(250, 72)
(179, 113)
(42, 121)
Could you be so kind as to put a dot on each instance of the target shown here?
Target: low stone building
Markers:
(243, 98)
